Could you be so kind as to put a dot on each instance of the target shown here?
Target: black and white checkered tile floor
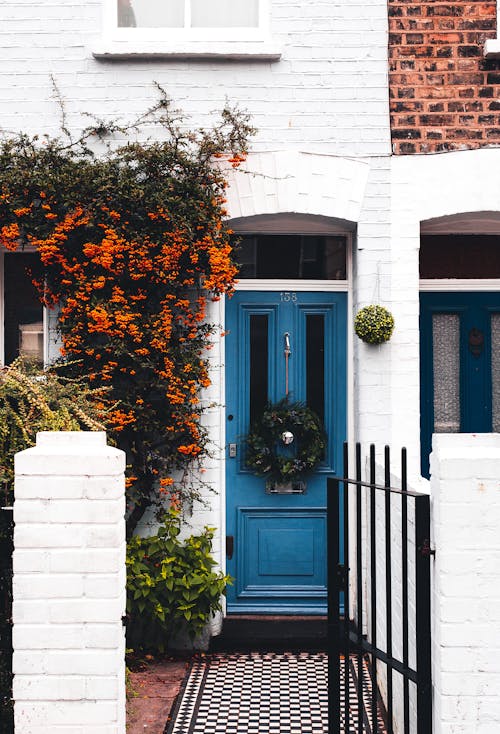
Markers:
(264, 693)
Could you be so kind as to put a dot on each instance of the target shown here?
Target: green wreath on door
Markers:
(285, 424)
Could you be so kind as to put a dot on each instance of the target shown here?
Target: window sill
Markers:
(492, 48)
(255, 50)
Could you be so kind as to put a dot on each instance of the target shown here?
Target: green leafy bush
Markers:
(33, 400)
(172, 586)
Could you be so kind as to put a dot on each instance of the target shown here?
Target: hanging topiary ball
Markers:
(374, 324)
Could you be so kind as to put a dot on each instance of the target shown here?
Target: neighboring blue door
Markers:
(277, 543)
(460, 365)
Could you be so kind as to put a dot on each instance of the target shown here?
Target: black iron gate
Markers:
(379, 602)
(6, 547)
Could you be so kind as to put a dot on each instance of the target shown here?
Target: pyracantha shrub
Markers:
(374, 324)
(132, 247)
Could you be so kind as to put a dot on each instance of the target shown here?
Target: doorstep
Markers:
(271, 633)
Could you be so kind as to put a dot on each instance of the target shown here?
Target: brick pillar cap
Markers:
(70, 453)
(57, 439)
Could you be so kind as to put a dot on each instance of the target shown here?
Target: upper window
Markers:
(236, 29)
(188, 13)
(459, 256)
(300, 257)
(187, 28)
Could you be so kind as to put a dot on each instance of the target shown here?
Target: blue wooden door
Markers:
(460, 365)
(277, 543)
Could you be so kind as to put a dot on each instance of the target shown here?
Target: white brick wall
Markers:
(308, 98)
(69, 586)
(465, 495)
(326, 95)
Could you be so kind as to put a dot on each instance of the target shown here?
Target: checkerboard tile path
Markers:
(264, 693)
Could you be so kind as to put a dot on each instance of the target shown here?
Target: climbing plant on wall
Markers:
(132, 247)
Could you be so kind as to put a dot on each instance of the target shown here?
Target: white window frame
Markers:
(229, 42)
(492, 45)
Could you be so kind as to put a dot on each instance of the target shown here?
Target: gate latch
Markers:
(229, 546)
(425, 549)
(342, 574)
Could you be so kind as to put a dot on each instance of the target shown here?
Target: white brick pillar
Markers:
(465, 514)
(69, 586)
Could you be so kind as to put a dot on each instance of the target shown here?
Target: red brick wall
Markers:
(443, 94)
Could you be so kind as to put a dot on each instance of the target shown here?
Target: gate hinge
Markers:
(342, 574)
(229, 546)
(425, 549)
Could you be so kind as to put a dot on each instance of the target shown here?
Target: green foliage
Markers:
(374, 324)
(172, 585)
(32, 400)
(266, 453)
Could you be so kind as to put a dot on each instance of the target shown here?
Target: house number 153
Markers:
(287, 296)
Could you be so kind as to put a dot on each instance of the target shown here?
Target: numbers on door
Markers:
(288, 296)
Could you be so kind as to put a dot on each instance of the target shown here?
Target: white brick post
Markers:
(465, 495)
(69, 586)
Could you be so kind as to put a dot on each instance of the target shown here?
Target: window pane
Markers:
(246, 256)
(258, 365)
(315, 363)
(446, 366)
(460, 256)
(151, 13)
(292, 256)
(495, 370)
(23, 319)
(224, 13)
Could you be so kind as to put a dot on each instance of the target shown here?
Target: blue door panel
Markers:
(279, 560)
(282, 551)
(474, 310)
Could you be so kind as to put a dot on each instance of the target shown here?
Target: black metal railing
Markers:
(6, 548)
(379, 602)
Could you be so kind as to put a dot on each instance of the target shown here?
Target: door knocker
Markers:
(476, 342)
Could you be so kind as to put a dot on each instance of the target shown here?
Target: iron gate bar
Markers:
(359, 584)
(345, 637)
(388, 583)
(423, 606)
(381, 655)
(334, 621)
(404, 573)
(373, 571)
(346, 586)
